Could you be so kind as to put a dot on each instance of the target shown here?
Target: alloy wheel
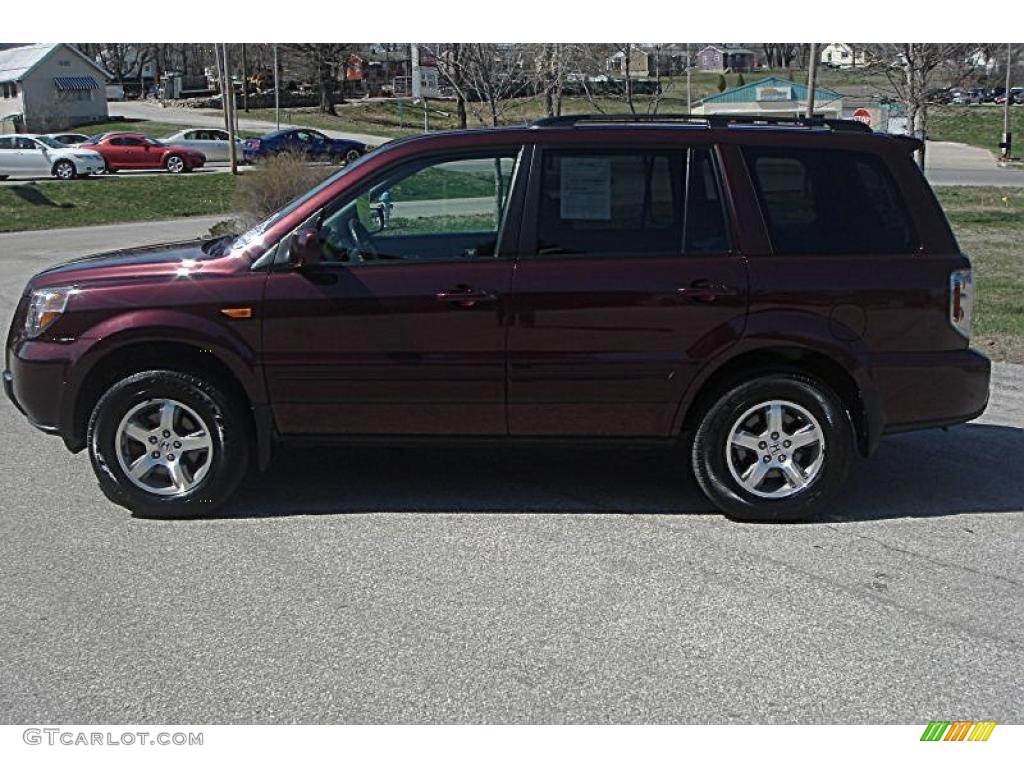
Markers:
(164, 447)
(775, 449)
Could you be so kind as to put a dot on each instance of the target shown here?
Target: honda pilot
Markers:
(775, 296)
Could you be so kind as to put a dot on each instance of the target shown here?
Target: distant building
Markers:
(771, 97)
(843, 56)
(725, 58)
(649, 61)
(49, 87)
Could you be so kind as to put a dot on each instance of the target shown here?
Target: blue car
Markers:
(308, 143)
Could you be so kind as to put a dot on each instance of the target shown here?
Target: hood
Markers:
(128, 264)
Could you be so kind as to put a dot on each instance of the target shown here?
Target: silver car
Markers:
(212, 142)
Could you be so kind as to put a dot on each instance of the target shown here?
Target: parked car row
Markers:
(975, 96)
(70, 155)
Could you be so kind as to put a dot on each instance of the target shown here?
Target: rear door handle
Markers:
(706, 290)
(465, 296)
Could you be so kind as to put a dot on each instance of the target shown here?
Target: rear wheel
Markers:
(351, 156)
(773, 449)
(167, 444)
(175, 164)
(64, 170)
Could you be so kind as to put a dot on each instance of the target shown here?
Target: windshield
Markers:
(250, 236)
(50, 142)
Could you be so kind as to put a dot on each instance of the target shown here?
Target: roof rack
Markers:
(708, 121)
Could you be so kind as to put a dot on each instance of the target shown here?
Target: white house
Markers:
(843, 55)
(49, 87)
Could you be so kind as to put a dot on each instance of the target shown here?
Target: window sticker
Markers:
(586, 188)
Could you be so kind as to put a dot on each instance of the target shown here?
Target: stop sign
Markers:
(862, 116)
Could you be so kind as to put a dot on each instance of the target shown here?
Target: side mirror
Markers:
(304, 250)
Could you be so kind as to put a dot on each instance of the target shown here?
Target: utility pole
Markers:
(689, 92)
(245, 81)
(1005, 144)
(277, 91)
(229, 102)
(224, 104)
(417, 83)
(812, 76)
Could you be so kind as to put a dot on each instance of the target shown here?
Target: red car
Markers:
(134, 151)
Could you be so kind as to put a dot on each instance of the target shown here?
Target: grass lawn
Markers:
(980, 125)
(989, 223)
(51, 204)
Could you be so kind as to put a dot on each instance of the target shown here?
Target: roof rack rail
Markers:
(710, 121)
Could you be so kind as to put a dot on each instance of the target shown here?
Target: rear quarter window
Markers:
(828, 202)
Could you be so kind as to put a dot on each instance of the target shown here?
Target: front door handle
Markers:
(706, 290)
(465, 296)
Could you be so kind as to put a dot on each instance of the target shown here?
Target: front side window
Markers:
(6, 143)
(426, 211)
(827, 202)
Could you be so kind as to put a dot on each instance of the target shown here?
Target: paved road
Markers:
(402, 585)
(952, 164)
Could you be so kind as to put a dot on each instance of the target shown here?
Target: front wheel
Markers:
(773, 449)
(175, 164)
(65, 170)
(168, 445)
(351, 156)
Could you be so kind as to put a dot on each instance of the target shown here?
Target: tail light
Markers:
(961, 301)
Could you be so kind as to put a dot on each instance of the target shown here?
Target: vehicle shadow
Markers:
(31, 195)
(973, 468)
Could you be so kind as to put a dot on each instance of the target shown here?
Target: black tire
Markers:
(65, 170)
(709, 453)
(228, 428)
(108, 170)
(352, 155)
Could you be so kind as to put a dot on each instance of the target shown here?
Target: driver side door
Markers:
(400, 329)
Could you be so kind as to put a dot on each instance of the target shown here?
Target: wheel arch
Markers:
(850, 385)
(139, 355)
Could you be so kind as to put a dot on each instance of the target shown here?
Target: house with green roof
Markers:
(771, 96)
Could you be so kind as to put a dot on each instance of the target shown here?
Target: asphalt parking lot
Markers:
(471, 585)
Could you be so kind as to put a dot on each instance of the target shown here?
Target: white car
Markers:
(23, 154)
(69, 139)
(212, 142)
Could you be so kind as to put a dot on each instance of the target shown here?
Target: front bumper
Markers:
(89, 166)
(931, 389)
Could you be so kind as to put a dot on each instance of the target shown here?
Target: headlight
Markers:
(45, 306)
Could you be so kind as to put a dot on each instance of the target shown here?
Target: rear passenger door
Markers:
(627, 284)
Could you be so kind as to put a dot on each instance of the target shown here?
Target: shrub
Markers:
(722, 85)
(740, 81)
(273, 183)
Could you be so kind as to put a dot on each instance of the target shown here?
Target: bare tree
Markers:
(490, 77)
(322, 63)
(912, 68)
(449, 68)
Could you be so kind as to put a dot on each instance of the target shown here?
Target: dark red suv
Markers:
(778, 295)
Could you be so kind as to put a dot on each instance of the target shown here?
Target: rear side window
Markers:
(624, 203)
(824, 202)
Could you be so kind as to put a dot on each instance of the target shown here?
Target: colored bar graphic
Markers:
(982, 730)
(958, 730)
